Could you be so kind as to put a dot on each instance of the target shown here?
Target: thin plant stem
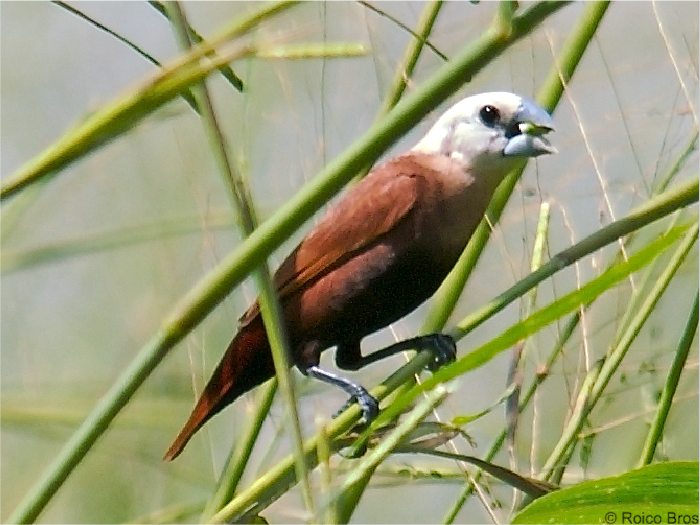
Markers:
(121, 114)
(681, 160)
(186, 94)
(380, 452)
(650, 211)
(554, 467)
(13, 260)
(328, 507)
(419, 37)
(515, 374)
(498, 442)
(196, 38)
(269, 305)
(238, 458)
(413, 52)
(669, 390)
(373, 459)
(615, 356)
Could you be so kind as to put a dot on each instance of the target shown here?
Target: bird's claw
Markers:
(368, 404)
(444, 351)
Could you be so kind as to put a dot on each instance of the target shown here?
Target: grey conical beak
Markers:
(533, 122)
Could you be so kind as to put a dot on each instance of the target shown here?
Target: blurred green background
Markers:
(94, 259)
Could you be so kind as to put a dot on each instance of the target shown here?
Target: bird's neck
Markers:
(452, 203)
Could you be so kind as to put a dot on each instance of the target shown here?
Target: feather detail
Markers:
(246, 363)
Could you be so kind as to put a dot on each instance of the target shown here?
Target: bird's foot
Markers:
(444, 350)
(368, 404)
(358, 393)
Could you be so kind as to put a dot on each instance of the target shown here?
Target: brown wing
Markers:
(370, 209)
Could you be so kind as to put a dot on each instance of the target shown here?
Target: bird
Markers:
(380, 251)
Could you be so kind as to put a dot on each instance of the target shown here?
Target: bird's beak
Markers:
(531, 123)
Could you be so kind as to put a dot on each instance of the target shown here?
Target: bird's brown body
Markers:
(376, 255)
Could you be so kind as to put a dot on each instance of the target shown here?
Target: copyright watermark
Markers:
(649, 518)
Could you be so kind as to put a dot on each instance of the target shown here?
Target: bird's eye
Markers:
(489, 115)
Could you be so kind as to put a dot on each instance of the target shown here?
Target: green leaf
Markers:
(659, 493)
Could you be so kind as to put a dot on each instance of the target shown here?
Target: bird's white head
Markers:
(489, 131)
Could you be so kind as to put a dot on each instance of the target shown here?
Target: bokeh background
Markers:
(94, 259)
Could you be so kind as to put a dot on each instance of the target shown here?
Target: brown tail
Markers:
(246, 363)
